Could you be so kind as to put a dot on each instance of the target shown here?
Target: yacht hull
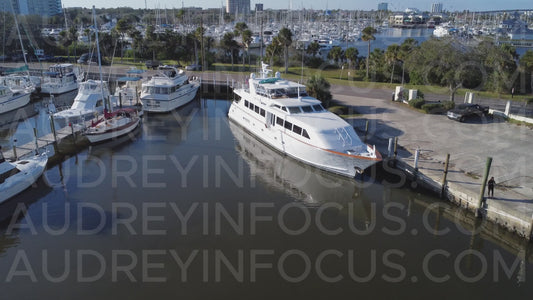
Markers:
(326, 159)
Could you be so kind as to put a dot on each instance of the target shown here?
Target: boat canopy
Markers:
(269, 80)
(126, 78)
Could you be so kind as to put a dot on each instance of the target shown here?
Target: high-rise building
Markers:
(32, 7)
(436, 7)
(383, 6)
(238, 6)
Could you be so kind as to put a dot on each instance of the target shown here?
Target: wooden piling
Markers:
(53, 127)
(417, 155)
(483, 185)
(15, 149)
(445, 174)
(530, 232)
(395, 147)
(36, 142)
(366, 130)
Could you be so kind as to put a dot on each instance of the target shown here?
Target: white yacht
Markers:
(88, 102)
(61, 78)
(10, 100)
(167, 90)
(281, 114)
(18, 175)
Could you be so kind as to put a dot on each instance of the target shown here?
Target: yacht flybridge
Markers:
(281, 114)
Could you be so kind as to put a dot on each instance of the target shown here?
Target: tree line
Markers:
(449, 62)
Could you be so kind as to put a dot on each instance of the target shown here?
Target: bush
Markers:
(417, 103)
(314, 62)
(429, 108)
(419, 94)
(447, 105)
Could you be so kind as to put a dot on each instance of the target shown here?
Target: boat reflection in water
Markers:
(312, 186)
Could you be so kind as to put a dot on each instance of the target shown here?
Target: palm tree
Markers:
(123, 26)
(285, 38)
(239, 30)
(246, 40)
(273, 49)
(406, 48)
(527, 63)
(392, 55)
(229, 45)
(313, 48)
(318, 87)
(336, 54)
(368, 35)
(199, 35)
(351, 54)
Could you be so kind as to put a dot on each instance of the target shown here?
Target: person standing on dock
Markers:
(512, 93)
(491, 185)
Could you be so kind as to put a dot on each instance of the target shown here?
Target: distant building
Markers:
(383, 6)
(46, 8)
(436, 8)
(238, 6)
(259, 7)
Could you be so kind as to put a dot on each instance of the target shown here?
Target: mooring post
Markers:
(366, 129)
(417, 154)
(443, 183)
(395, 147)
(483, 185)
(53, 127)
(137, 95)
(36, 143)
(15, 148)
(528, 236)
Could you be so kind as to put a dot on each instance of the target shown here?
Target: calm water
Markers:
(193, 207)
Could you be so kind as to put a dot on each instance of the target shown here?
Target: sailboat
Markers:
(112, 124)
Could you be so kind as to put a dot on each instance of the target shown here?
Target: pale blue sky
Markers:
(452, 5)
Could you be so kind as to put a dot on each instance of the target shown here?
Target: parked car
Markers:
(463, 111)
(86, 58)
(152, 64)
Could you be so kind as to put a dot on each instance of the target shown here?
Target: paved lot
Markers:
(469, 145)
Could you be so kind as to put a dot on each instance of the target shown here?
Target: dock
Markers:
(62, 140)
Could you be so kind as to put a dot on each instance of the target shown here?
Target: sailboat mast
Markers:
(99, 59)
(20, 38)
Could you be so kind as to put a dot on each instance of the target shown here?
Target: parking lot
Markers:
(469, 144)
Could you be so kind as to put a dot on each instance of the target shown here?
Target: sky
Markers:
(451, 5)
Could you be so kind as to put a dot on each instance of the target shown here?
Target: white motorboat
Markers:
(88, 102)
(281, 114)
(112, 125)
(128, 90)
(10, 100)
(167, 90)
(18, 175)
(21, 83)
(61, 78)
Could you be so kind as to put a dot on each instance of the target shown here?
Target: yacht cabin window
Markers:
(318, 107)
(307, 109)
(294, 109)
